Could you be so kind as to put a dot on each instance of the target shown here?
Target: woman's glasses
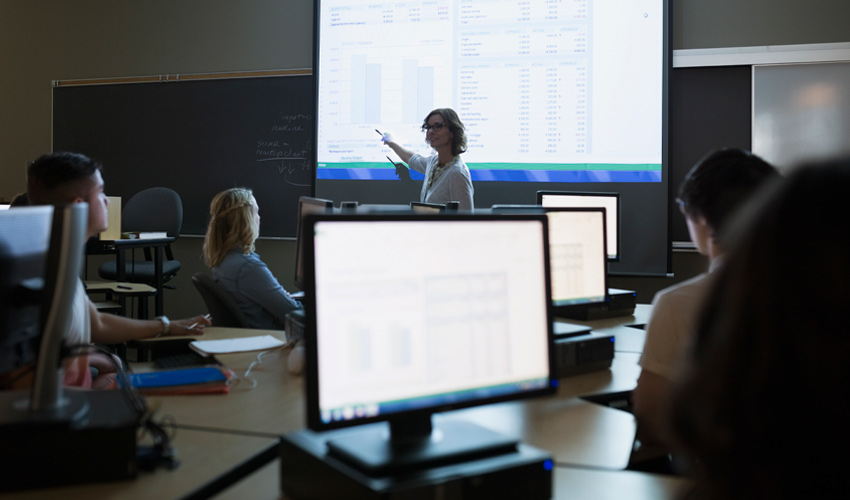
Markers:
(435, 127)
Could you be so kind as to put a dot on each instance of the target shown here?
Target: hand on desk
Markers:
(190, 326)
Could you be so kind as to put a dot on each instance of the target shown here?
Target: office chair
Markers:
(152, 209)
(221, 306)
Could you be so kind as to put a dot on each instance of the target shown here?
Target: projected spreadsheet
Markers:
(549, 90)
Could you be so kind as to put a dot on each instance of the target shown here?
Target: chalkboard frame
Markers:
(197, 134)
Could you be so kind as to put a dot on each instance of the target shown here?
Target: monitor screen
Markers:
(539, 86)
(577, 255)
(609, 201)
(307, 205)
(4, 206)
(554, 95)
(41, 253)
(24, 240)
(419, 314)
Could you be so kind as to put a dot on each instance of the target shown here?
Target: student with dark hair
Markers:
(710, 195)
(446, 175)
(19, 200)
(761, 410)
(63, 178)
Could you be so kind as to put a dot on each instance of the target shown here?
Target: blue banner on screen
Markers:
(580, 173)
(548, 91)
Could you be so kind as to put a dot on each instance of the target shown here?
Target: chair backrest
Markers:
(154, 209)
(221, 306)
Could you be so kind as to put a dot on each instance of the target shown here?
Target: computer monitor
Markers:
(306, 205)
(41, 251)
(427, 208)
(416, 314)
(577, 256)
(24, 240)
(4, 206)
(577, 252)
(609, 201)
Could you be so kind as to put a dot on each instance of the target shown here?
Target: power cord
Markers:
(159, 454)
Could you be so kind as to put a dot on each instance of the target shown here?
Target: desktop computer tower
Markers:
(308, 473)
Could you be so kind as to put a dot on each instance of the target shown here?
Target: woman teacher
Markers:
(446, 175)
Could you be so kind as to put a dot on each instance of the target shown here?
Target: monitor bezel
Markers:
(605, 295)
(311, 371)
(328, 205)
(616, 216)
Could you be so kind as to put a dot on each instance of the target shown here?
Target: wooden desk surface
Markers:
(573, 431)
(204, 457)
(272, 408)
(627, 338)
(568, 484)
(276, 405)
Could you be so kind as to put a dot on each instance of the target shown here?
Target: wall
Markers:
(45, 40)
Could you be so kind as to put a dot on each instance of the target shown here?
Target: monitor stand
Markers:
(309, 471)
(414, 443)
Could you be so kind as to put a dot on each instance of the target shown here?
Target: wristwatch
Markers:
(166, 325)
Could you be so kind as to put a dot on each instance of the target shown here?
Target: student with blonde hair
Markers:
(229, 252)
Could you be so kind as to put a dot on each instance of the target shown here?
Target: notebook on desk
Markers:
(200, 380)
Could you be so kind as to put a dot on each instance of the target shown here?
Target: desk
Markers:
(273, 408)
(119, 247)
(209, 462)
(122, 291)
(627, 337)
(219, 433)
(575, 431)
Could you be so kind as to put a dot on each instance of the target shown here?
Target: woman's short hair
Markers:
(720, 183)
(761, 407)
(455, 127)
(232, 224)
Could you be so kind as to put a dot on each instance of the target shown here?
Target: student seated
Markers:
(229, 252)
(714, 189)
(62, 178)
(761, 410)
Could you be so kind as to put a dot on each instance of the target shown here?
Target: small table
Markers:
(122, 291)
(119, 247)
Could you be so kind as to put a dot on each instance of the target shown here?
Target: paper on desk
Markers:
(225, 346)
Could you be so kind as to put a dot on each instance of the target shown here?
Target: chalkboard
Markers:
(197, 137)
(710, 108)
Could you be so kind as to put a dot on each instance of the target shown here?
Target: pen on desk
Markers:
(196, 323)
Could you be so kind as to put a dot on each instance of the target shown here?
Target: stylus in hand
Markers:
(400, 170)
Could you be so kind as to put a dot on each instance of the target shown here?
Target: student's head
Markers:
(452, 130)
(234, 223)
(762, 407)
(716, 187)
(19, 200)
(62, 178)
